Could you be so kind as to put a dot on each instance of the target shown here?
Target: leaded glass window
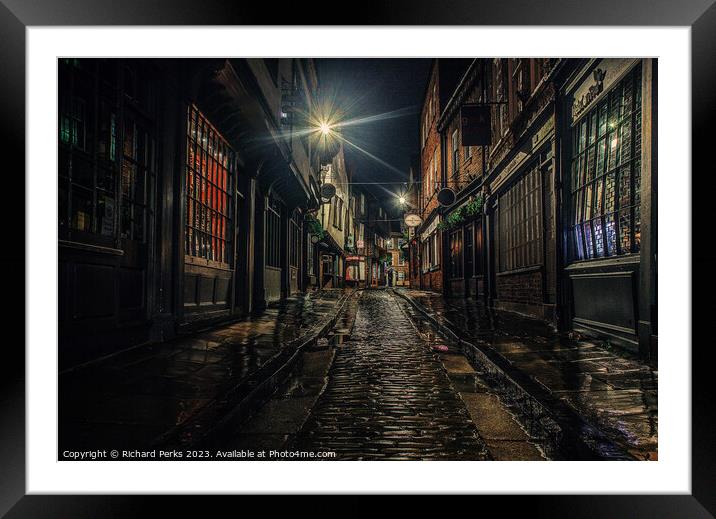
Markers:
(210, 169)
(606, 175)
(107, 156)
(520, 222)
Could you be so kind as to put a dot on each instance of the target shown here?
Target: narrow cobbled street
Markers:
(358, 259)
(388, 394)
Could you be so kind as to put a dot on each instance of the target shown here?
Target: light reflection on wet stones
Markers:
(388, 396)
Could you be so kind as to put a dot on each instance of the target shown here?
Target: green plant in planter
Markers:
(315, 227)
(458, 216)
(475, 206)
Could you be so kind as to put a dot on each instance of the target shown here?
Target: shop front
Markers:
(111, 123)
(355, 270)
(430, 254)
(610, 200)
(463, 228)
(522, 228)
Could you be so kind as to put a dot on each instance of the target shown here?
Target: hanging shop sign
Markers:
(412, 220)
(328, 191)
(446, 197)
(475, 125)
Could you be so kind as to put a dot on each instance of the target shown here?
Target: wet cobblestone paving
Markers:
(609, 388)
(388, 395)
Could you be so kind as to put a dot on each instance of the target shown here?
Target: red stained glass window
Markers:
(210, 168)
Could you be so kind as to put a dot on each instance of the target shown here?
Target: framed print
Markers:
(386, 257)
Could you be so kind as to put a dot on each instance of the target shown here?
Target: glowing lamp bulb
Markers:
(401, 199)
(325, 129)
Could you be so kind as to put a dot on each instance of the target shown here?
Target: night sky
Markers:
(368, 87)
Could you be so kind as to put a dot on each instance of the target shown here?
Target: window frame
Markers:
(605, 188)
(210, 170)
(93, 110)
(520, 222)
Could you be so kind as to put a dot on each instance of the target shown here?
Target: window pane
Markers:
(598, 237)
(608, 205)
(611, 235)
(82, 209)
(210, 163)
(625, 230)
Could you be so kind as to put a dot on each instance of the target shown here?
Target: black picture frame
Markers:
(17, 15)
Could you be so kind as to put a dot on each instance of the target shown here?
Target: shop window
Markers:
(136, 173)
(520, 223)
(456, 254)
(72, 125)
(430, 252)
(210, 168)
(107, 157)
(606, 175)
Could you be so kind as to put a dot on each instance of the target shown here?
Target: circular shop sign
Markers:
(446, 197)
(412, 220)
(328, 191)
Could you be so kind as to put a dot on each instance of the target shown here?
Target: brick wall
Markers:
(430, 159)
(433, 281)
(469, 163)
(520, 287)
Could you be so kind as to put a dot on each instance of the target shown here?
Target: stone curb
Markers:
(566, 433)
(213, 422)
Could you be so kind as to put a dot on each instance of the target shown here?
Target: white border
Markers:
(670, 474)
